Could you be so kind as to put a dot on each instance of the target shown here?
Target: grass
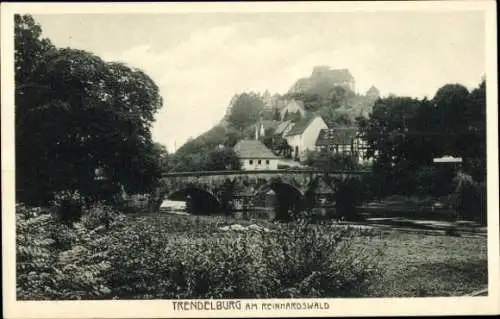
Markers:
(419, 265)
(415, 264)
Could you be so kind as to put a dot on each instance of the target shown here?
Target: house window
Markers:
(267, 162)
(259, 162)
(250, 162)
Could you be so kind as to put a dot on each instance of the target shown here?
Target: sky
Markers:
(200, 60)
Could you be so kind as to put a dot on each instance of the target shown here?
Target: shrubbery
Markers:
(349, 193)
(107, 255)
(57, 261)
(471, 202)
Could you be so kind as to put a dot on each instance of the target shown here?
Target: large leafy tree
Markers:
(29, 50)
(475, 141)
(210, 151)
(405, 134)
(76, 113)
(245, 109)
(451, 102)
(222, 159)
(328, 161)
(387, 130)
(335, 117)
(394, 141)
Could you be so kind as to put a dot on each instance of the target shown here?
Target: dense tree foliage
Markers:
(245, 109)
(76, 113)
(336, 117)
(338, 105)
(405, 134)
(195, 154)
(312, 102)
(222, 159)
(328, 161)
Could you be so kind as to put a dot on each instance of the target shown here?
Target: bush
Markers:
(328, 161)
(186, 258)
(433, 181)
(349, 193)
(312, 261)
(472, 201)
(56, 261)
(69, 206)
(293, 260)
(34, 252)
(452, 231)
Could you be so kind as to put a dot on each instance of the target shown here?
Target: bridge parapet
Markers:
(265, 172)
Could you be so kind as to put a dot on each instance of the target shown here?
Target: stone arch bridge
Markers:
(216, 191)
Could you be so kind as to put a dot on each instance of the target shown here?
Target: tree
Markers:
(333, 116)
(392, 142)
(327, 161)
(475, 153)
(276, 114)
(451, 102)
(311, 101)
(245, 109)
(232, 137)
(405, 134)
(222, 159)
(76, 113)
(29, 50)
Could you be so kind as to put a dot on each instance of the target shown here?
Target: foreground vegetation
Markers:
(107, 255)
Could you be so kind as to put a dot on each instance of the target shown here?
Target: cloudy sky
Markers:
(200, 60)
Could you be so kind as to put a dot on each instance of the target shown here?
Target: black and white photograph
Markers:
(249, 158)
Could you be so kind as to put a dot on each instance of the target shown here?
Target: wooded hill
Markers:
(326, 92)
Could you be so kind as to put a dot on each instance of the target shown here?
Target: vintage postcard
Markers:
(249, 159)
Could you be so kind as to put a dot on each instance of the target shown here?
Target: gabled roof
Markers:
(336, 136)
(298, 103)
(253, 149)
(302, 125)
(282, 126)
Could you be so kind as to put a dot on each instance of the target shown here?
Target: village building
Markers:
(303, 135)
(283, 128)
(265, 128)
(291, 107)
(342, 140)
(255, 156)
(274, 129)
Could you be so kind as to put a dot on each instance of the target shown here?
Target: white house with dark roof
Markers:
(303, 135)
(255, 156)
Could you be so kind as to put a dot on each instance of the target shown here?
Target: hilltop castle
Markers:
(324, 75)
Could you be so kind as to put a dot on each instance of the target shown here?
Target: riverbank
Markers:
(416, 262)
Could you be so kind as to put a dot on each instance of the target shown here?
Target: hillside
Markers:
(327, 92)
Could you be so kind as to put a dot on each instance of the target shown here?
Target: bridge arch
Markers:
(198, 200)
(289, 199)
